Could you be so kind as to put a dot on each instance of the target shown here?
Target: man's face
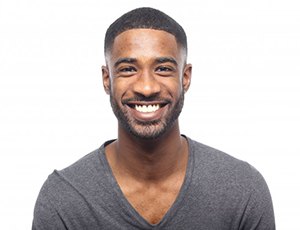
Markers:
(146, 77)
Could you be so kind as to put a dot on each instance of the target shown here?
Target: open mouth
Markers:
(146, 107)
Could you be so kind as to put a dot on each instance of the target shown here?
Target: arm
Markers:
(45, 215)
(258, 213)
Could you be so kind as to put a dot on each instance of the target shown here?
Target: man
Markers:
(151, 176)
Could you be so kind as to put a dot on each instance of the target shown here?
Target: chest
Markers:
(152, 202)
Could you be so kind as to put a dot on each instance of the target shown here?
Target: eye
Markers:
(127, 69)
(164, 69)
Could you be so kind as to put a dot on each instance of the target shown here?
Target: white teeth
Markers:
(146, 108)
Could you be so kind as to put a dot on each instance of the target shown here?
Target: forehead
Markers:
(145, 43)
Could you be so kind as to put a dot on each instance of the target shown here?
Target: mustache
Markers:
(142, 98)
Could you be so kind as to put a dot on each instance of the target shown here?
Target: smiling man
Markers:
(151, 176)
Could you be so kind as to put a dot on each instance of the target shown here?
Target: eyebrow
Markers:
(134, 60)
(166, 59)
(125, 60)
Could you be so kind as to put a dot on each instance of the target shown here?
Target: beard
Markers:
(147, 129)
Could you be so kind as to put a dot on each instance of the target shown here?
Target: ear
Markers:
(106, 79)
(187, 75)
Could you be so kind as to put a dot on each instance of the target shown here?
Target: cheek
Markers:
(173, 86)
(119, 87)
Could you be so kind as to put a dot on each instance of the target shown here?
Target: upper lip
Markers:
(133, 103)
(146, 102)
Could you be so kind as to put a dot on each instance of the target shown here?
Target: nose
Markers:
(146, 84)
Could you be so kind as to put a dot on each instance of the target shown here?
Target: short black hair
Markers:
(147, 18)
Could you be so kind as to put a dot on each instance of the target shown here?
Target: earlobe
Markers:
(187, 75)
(106, 79)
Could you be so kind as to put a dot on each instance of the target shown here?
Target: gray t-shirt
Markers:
(219, 193)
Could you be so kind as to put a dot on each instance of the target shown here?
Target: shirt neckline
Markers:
(128, 209)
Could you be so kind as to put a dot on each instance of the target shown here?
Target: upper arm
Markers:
(258, 213)
(46, 215)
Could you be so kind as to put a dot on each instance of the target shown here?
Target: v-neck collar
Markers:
(128, 209)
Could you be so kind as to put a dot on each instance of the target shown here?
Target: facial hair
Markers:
(150, 129)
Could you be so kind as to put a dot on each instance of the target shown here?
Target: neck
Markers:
(149, 160)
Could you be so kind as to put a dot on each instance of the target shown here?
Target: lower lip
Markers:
(152, 116)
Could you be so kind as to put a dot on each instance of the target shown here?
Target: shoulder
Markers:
(60, 182)
(222, 168)
(234, 183)
(85, 167)
(83, 176)
(70, 193)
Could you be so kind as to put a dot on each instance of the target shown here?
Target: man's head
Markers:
(146, 73)
(145, 18)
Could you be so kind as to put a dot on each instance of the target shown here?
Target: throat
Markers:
(155, 162)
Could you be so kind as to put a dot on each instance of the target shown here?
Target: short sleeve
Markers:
(258, 213)
(46, 216)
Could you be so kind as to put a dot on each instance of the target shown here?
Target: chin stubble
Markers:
(147, 130)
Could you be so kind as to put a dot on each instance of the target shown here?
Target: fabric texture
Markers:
(219, 192)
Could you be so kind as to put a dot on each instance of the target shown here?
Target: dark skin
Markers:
(149, 171)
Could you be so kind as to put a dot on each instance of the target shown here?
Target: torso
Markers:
(152, 201)
(151, 198)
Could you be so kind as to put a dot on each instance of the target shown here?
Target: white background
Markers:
(244, 98)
